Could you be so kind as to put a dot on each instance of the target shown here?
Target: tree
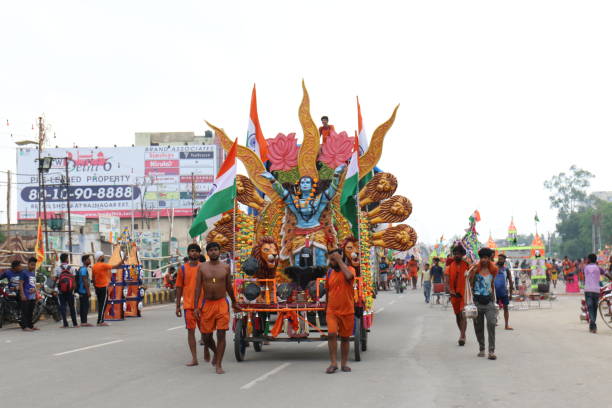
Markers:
(568, 190)
(576, 229)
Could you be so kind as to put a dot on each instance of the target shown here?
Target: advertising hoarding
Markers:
(118, 181)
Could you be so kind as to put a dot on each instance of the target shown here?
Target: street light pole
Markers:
(41, 179)
(68, 209)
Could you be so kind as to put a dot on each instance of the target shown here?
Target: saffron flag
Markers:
(348, 200)
(363, 137)
(39, 249)
(222, 197)
(363, 144)
(255, 138)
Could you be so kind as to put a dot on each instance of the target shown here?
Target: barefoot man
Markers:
(455, 280)
(185, 288)
(216, 280)
(340, 311)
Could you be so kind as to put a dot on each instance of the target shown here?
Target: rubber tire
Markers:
(258, 346)
(37, 312)
(357, 340)
(56, 314)
(239, 345)
(364, 338)
(604, 307)
(397, 288)
(1, 313)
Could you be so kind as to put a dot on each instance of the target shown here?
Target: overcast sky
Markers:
(495, 96)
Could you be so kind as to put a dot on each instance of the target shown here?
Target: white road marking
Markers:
(379, 310)
(175, 328)
(88, 347)
(265, 376)
(392, 302)
(157, 307)
(322, 344)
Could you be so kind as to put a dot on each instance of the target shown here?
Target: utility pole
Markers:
(41, 177)
(68, 209)
(8, 201)
(192, 196)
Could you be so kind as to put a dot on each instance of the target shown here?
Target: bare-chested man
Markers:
(185, 287)
(216, 279)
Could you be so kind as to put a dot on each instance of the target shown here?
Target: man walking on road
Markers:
(101, 276)
(64, 275)
(482, 275)
(27, 290)
(437, 278)
(185, 289)
(592, 277)
(82, 288)
(215, 279)
(503, 280)
(455, 275)
(426, 282)
(340, 311)
(413, 270)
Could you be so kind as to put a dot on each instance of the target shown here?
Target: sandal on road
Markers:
(492, 356)
(331, 369)
(481, 353)
(346, 369)
(461, 342)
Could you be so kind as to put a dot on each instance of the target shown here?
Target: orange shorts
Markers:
(340, 324)
(215, 315)
(457, 304)
(190, 321)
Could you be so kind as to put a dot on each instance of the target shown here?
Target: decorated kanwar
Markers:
(300, 231)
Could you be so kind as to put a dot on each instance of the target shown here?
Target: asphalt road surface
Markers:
(413, 360)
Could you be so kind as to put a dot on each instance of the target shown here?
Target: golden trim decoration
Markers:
(395, 209)
(251, 162)
(402, 237)
(371, 157)
(307, 157)
(380, 187)
(247, 194)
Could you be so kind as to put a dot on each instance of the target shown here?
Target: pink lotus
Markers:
(283, 152)
(337, 149)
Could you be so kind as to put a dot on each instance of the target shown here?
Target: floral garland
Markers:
(365, 237)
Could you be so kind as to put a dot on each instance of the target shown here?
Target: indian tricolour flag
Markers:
(350, 189)
(363, 143)
(255, 138)
(222, 196)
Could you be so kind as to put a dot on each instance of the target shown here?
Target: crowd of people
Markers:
(490, 285)
(66, 282)
(476, 290)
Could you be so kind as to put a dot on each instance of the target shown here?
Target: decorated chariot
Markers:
(304, 202)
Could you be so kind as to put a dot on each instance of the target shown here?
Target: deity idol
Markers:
(307, 203)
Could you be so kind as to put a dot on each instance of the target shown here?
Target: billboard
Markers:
(117, 181)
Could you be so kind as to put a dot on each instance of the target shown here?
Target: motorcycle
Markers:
(399, 282)
(10, 309)
(49, 302)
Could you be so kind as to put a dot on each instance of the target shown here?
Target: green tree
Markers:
(568, 190)
(576, 229)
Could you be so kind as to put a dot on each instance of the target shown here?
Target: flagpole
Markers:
(357, 201)
(234, 239)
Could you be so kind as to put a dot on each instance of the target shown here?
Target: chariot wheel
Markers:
(357, 339)
(239, 342)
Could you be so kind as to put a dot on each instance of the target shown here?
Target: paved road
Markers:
(413, 360)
